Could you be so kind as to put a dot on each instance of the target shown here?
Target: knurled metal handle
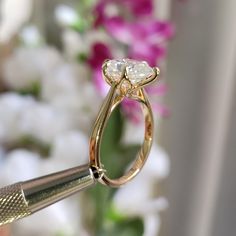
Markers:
(13, 204)
(24, 198)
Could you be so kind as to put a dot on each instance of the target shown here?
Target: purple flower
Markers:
(134, 8)
(99, 53)
(144, 36)
(145, 39)
(159, 89)
(160, 109)
(139, 7)
(132, 108)
(99, 12)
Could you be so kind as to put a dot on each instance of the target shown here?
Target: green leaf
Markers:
(126, 227)
(60, 233)
(82, 57)
(116, 158)
(33, 144)
(113, 215)
(34, 89)
(113, 131)
(100, 197)
(81, 25)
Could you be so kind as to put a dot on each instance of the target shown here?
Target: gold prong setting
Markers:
(125, 87)
(129, 74)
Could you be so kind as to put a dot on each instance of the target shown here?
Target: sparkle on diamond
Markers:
(115, 69)
(136, 71)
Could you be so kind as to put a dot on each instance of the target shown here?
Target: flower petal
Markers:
(140, 7)
(119, 29)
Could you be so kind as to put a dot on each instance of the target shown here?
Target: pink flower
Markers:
(99, 53)
(132, 109)
(127, 32)
(139, 7)
(159, 89)
(134, 8)
(155, 92)
(144, 35)
(144, 38)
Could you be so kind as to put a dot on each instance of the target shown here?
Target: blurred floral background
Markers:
(51, 89)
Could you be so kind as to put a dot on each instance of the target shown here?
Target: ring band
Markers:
(127, 78)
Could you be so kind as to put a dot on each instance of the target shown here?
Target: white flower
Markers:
(94, 36)
(23, 116)
(19, 165)
(11, 107)
(14, 14)
(65, 15)
(71, 148)
(66, 89)
(60, 218)
(91, 103)
(30, 36)
(157, 166)
(152, 224)
(73, 43)
(130, 201)
(133, 133)
(111, 10)
(2, 154)
(44, 122)
(61, 87)
(28, 65)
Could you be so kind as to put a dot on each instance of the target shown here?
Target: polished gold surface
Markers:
(115, 96)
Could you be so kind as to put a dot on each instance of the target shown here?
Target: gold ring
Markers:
(127, 78)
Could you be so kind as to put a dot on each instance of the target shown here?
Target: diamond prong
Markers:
(157, 70)
(105, 61)
(125, 86)
(114, 70)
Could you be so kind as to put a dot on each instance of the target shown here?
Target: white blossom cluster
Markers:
(62, 118)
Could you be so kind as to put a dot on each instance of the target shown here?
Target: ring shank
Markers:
(112, 101)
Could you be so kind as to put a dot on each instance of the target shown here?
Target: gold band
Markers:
(115, 96)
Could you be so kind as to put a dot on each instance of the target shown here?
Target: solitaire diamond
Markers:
(115, 69)
(138, 71)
